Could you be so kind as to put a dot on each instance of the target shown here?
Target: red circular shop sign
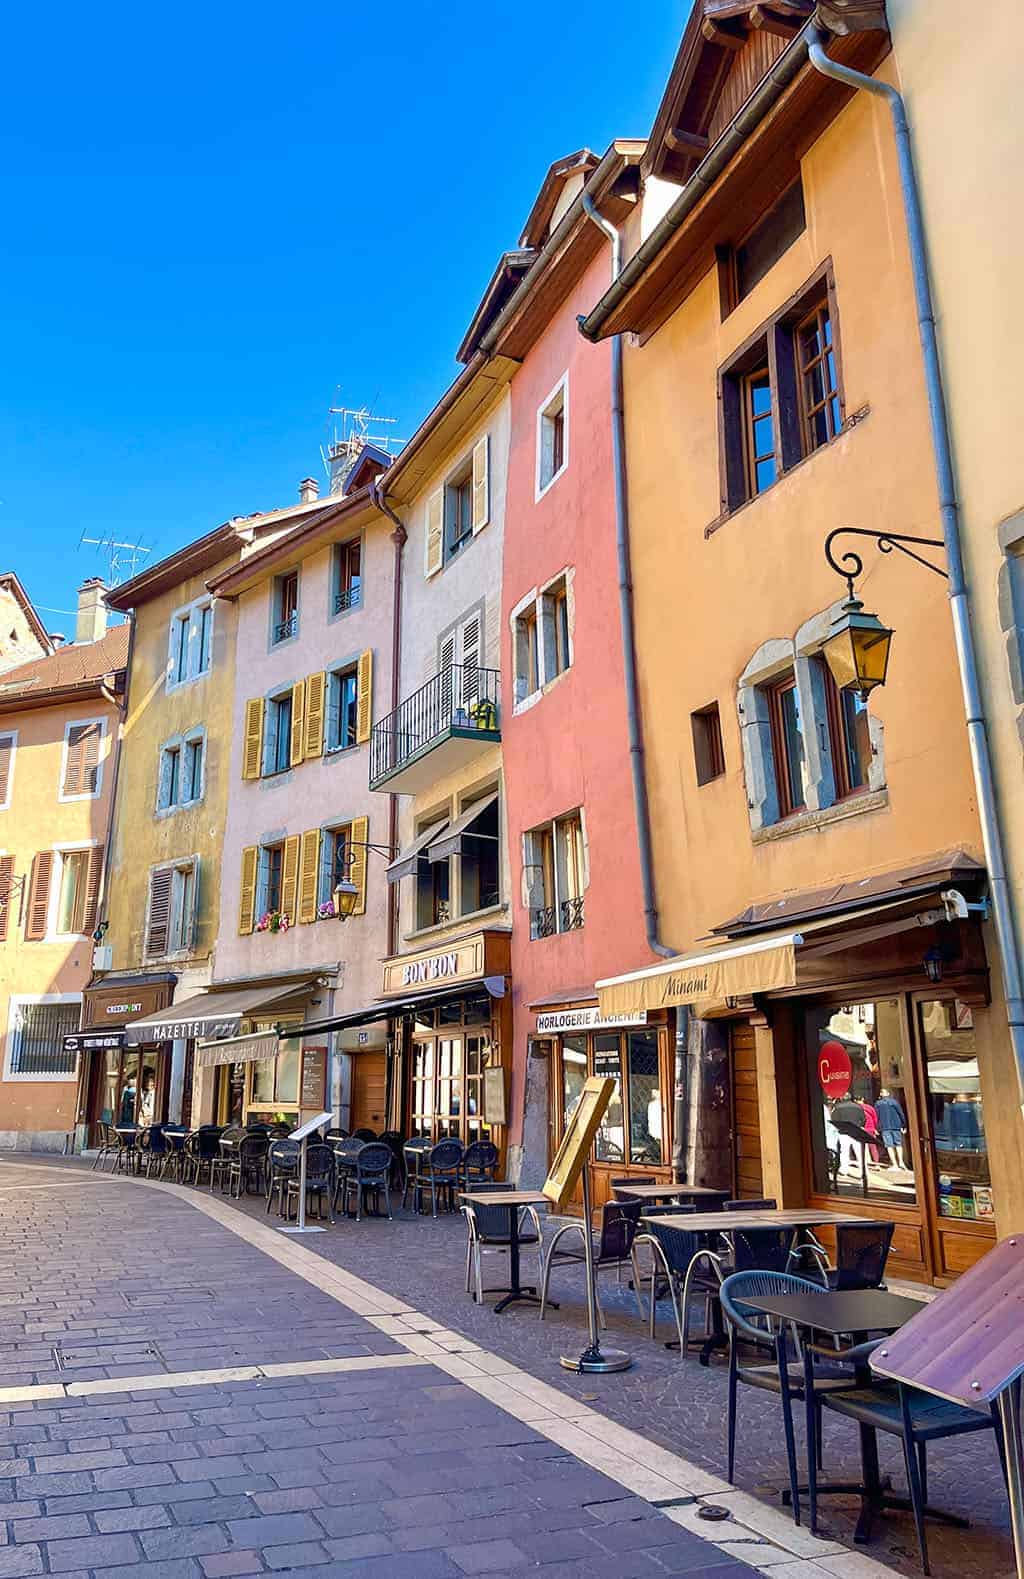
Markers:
(835, 1071)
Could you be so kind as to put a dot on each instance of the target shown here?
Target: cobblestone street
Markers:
(283, 1414)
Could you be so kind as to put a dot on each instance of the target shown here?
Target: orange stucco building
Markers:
(775, 391)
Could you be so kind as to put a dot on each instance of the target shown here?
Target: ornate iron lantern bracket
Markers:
(850, 565)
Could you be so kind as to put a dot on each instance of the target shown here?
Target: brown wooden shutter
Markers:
(247, 889)
(357, 867)
(94, 878)
(6, 892)
(290, 876)
(159, 923)
(434, 540)
(81, 770)
(252, 748)
(481, 484)
(296, 746)
(38, 896)
(364, 698)
(316, 690)
(6, 759)
(309, 871)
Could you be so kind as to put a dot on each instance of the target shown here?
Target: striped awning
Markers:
(237, 1049)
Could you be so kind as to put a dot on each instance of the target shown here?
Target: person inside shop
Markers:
(850, 1120)
(147, 1100)
(126, 1113)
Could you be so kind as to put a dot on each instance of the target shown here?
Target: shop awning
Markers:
(213, 1014)
(450, 841)
(238, 1049)
(407, 860)
(407, 1003)
(768, 963)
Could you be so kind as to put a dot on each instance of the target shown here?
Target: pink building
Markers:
(578, 909)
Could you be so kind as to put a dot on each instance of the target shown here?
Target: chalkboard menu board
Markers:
(314, 1079)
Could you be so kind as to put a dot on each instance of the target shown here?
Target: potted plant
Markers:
(273, 921)
(326, 911)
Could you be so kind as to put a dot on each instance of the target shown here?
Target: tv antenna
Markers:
(122, 558)
(350, 435)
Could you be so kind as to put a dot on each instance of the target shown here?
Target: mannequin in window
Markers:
(892, 1124)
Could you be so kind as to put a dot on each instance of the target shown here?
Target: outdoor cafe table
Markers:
(658, 1193)
(513, 1199)
(852, 1313)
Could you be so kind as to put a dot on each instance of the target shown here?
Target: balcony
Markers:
(547, 920)
(436, 730)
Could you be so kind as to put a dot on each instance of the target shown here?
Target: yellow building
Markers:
(775, 390)
(59, 718)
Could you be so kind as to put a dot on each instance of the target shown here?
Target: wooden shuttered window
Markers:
(357, 869)
(316, 693)
(290, 876)
(6, 762)
(364, 700)
(252, 745)
(434, 542)
(247, 888)
(309, 874)
(481, 484)
(38, 908)
(297, 742)
(6, 893)
(158, 920)
(82, 759)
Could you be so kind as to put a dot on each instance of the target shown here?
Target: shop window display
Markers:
(955, 1109)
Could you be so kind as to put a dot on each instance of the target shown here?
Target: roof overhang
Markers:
(21, 597)
(512, 266)
(348, 513)
(203, 554)
(583, 161)
(461, 406)
(103, 688)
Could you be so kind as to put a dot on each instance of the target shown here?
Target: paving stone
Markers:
(488, 1557)
(92, 1551)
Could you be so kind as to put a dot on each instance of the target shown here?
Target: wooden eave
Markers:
(539, 217)
(340, 518)
(459, 408)
(766, 163)
(572, 249)
(204, 554)
(503, 282)
(99, 687)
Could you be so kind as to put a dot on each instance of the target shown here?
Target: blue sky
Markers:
(215, 215)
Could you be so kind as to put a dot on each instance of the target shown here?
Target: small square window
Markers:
(286, 607)
(708, 751)
(552, 437)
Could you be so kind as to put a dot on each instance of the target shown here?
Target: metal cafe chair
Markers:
(319, 1181)
(441, 1168)
(107, 1146)
(489, 1231)
(227, 1145)
(672, 1250)
(766, 1205)
(615, 1185)
(480, 1163)
(246, 1165)
(282, 1162)
(153, 1150)
(364, 1134)
(744, 1250)
(861, 1254)
(615, 1246)
(368, 1173)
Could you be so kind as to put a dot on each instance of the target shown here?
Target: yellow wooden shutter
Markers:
(290, 876)
(316, 688)
(434, 546)
(364, 697)
(247, 889)
(252, 749)
(357, 867)
(481, 484)
(309, 871)
(296, 749)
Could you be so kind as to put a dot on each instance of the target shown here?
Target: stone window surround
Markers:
(560, 386)
(539, 597)
(189, 611)
(76, 723)
(821, 805)
(180, 742)
(60, 850)
(16, 1000)
(12, 736)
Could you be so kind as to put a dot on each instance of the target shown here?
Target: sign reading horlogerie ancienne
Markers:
(586, 1020)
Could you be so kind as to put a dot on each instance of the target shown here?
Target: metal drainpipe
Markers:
(680, 1083)
(399, 537)
(949, 509)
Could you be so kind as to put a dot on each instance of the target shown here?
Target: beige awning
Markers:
(450, 841)
(768, 963)
(237, 1049)
(216, 1013)
(406, 862)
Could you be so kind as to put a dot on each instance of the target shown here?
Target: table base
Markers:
(526, 1294)
(597, 1361)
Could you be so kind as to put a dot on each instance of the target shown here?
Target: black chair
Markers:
(320, 1178)
(862, 1251)
(917, 1418)
(742, 1250)
(413, 1153)
(614, 1246)
(106, 1145)
(480, 1163)
(672, 1250)
(750, 1206)
(247, 1164)
(779, 1374)
(396, 1141)
(364, 1134)
(368, 1174)
(153, 1150)
(228, 1142)
(125, 1151)
(490, 1232)
(282, 1163)
(441, 1169)
(336, 1134)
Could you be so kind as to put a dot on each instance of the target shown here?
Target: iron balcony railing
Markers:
(461, 700)
(286, 628)
(546, 920)
(349, 599)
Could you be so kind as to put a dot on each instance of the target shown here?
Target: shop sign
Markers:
(835, 1070)
(437, 968)
(461, 960)
(586, 1020)
(92, 1042)
(104, 1005)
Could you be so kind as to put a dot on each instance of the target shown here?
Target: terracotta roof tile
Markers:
(69, 665)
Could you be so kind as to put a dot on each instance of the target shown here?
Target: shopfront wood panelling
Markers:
(746, 1126)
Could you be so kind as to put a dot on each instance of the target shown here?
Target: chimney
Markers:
(309, 490)
(91, 623)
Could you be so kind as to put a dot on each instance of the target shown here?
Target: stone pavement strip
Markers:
(187, 1394)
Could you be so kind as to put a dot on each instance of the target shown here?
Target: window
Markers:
(285, 603)
(35, 1040)
(79, 884)
(849, 735)
(343, 709)
(433, 893)
(555, 868)
(553, 436)
(955, 1111)
(708, 751)
(170, 778)
(527, 654)
(457, 862)
(458, 513)
(479, 858)
(781, 394)
(190, 645)
(542, 646)
(194, 753)
(867, 1038)
(82, 774)
(348, 581)
(773, 235)
(335, 861)
(275, 1081)
(271, 871)
(787, 737)
(818, 383)
(173, 908)
(180, 781)
(277, 746)
(8, 749)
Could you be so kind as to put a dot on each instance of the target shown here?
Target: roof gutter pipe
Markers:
(949, 511)
(399, 537)
(636, 744)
